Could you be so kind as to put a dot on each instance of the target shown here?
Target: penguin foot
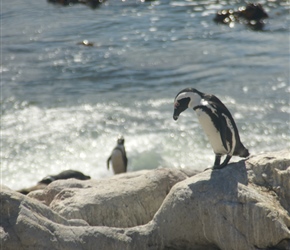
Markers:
(215, 167)
(226, 161)
(218, 166)
(209, 168)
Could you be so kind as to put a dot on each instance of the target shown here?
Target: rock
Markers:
(236, 207)
(227, 212)
(26, 223)
(272, 172)
(251, 15)
(124, 200)
(91, 3)
(86, 43)
(252, 12)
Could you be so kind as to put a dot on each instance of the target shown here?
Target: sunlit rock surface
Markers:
(243, 206)
(124, 200)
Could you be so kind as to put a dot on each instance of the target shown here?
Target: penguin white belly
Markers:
(118, 162)
(212, 133)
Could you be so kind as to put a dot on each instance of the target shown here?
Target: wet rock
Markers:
(251, 15)
(91, 3)
(86, 43)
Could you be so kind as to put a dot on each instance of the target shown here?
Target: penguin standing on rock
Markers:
(216, 121)
(118, 157)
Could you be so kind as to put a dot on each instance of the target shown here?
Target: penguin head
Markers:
(47, 180)
(120, 140)
(186, 98)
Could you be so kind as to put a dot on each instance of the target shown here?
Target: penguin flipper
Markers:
(228, 127)
(126, 165)
(125, 160)
(214, 101)
(225, 133)
(108, 162)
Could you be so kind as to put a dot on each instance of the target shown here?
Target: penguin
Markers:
(118, 157)
(216, 121)
(67, 174)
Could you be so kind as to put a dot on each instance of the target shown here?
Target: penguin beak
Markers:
(176, 114)
(180, 106)
(177, 111)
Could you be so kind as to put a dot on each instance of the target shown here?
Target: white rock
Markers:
(232, 208)
(124, 200)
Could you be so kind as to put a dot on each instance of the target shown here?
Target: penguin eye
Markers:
(176, 104)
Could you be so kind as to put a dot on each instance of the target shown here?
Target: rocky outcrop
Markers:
(124, 200)
(242, 206)
(252, 15)
(272, 171)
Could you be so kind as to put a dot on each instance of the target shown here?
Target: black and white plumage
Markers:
(216, 121)
(67, 174)
(118, 157)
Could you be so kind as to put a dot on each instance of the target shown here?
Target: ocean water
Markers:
(63, 104)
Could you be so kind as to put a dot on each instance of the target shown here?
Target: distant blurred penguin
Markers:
(118, 157)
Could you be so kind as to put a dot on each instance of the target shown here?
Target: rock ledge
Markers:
(243, 206)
